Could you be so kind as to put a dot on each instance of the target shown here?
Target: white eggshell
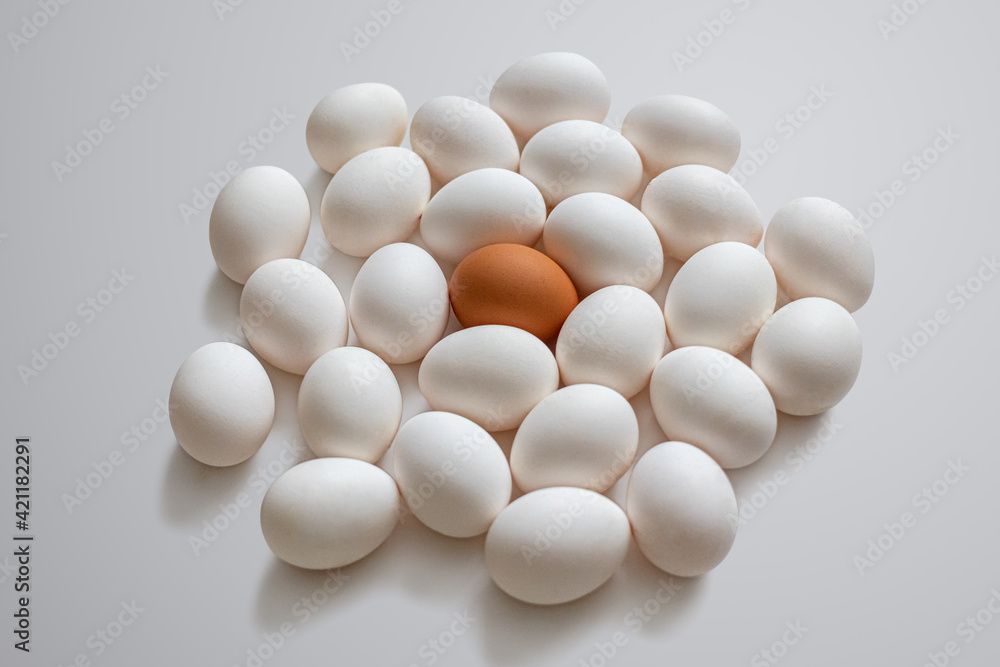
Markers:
(808, 354)
(375, 199)
(491, 374)
(260, 215)
(693, 206)
(399, 303)
(583, 435)
(455, 135)
(352, 120)
(671, 130)
(452, 474)
(614, 338)
(575, 156)
(349, 405)
(557, 544)
(481, 208)
(817, 248)
(221, 404)
(329, 512)
(713, 400)
(548, 88)
(600, 240)
(292, 313)
(720, 298)
(682, 509)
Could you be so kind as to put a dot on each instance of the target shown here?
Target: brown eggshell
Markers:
(514, 285)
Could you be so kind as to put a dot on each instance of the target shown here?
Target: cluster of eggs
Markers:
(555, 228)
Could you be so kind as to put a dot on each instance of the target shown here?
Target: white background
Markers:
(794, 561)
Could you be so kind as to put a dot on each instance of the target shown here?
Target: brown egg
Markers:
(514, 285)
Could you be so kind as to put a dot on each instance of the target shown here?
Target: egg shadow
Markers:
(293, 594)
(658, 600)
(192, 490)
(407, 377)
(315, 187)
(286, 398)
(670, 268)
(636, 199)
(515, 632)
(505, 439)
(430, 566)
(341, 268)
(650, 433)
(792, 432)
(427, 565)
(221, 306)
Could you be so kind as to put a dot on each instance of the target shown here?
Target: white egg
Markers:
(491, 374)
(352, 120)
(260, 215)
(808, 354)
(817, 248)
(375, 199)
(221, 404)
(349, 405)
(614, 338)
(602, 240)
(455, 135)
(452, 474)
(682, 508)
(481, 208)
(548, 88)
(575, 156)
(557, 544)
(399, 303)
(713, 400)
(292, 313)
(329, 512)
(671, 130)
(720, 298)
(693, 206)
(583, 435)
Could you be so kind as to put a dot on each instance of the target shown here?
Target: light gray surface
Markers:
(895, 433)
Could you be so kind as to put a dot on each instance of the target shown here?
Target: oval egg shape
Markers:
(329, 512)
(492, 374)
(671, 130)
(575, 156)
(817, 248)
(809, 355)
(399, 303)
(584, 435)
(221, 404)
(712, 400)
(455, 135)
(693, 206)
(602, 240)
(452, 474)
(349, 405)
(375, 199)
(352, 120)
(682, 508)
(720, 298)
(547, 88)
(513, 285)
(557, 544)
(614, 338)
(481, 208)
(292, 313)
(261, 215)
